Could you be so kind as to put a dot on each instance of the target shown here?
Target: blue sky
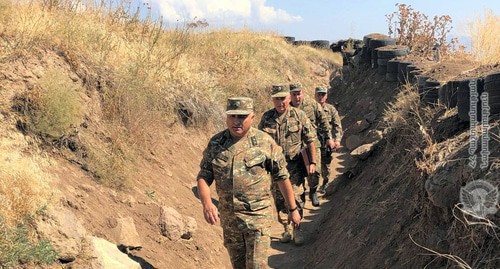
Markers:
(316, 19)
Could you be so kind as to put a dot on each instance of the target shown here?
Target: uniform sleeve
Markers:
(206, 171)
(308, 133)
(336, 124)
(324, 128)
(277, 162)
(262, 121)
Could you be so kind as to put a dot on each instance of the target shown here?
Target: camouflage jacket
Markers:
(332, 116)
(315, 113)
(243, 172)
(291, 131)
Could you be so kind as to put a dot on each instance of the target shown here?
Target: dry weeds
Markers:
(485, 33)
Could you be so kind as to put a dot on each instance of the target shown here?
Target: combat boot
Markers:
(286, 236)
(313, 195)
(303, 200)
(298, 236)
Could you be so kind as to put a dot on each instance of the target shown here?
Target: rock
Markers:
(362, 152)
(442, 191)
(373, 136)
(64, 231)
(107, 255)
(359, 126)
(190, 226)
(127, 234)
(174, 226)
(353, 142)
(370, 117)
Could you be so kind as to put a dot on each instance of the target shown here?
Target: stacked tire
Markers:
(413, 71)
(301, 42)
(392, 71)
(451, 91)
(430, 91)
(320, 44)
(402, 74)
(386, 53)
(289, 39)
(465, 99)
(377, 43)
(366, 53)
(492, 87)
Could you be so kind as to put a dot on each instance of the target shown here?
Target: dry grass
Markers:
(24, 188)
(146, 74)
(484, 33)
(407, 119)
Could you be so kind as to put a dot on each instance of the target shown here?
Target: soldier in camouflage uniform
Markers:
(244, 162)
(333, 118)
(317, 116)
(291, 129)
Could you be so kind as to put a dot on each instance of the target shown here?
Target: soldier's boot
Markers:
(298, 236)
(303, 199)
(314, 197)
(286, 236)
(323, 187)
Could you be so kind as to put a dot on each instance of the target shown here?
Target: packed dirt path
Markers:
(287, 255)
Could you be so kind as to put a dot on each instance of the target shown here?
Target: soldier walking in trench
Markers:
(291, 129)
(244, 162)
(332, 117)
(320, 126)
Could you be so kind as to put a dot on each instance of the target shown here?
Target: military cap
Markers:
(295, 87)
(239, 106)
(280, 91)
(321, 89)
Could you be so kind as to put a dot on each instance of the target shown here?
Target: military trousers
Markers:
(326, 160)
(248, 248)
(313, 179)
(297, 175)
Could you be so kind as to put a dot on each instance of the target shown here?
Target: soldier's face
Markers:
(297, 98)
(281, 104)
(238, 125)
(321, 97)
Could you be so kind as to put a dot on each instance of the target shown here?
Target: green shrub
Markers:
(17, 248)
(58, 105)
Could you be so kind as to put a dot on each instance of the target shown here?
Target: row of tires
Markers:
(467, 95)
(321, 44)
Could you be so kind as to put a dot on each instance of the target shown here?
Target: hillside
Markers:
(104, 117)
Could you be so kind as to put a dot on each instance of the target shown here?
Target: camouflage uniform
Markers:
(326, 154)
(291, 131)
(243, 173)
(317, 116)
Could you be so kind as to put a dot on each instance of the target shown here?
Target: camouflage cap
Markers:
(321, 89)
(239, 106)
(280, 91)
(295, 87)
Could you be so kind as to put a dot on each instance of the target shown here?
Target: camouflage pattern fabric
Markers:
(291, 131)
(317, 116)
(332, 116)
(244, 172)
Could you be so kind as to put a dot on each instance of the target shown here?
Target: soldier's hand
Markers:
(294, 217)
(211, 213)
(311, 169)
(337, 145)
(330, 143)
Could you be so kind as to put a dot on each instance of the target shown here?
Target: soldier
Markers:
(333, 118)
(318, 120)
(291, 129)
(244, 162)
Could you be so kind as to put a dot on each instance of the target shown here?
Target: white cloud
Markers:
(226, 12)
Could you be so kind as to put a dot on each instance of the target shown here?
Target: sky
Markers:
(315, 19)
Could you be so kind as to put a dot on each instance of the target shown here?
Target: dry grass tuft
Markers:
(405, 118)
(24, 188)
(485, 33)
